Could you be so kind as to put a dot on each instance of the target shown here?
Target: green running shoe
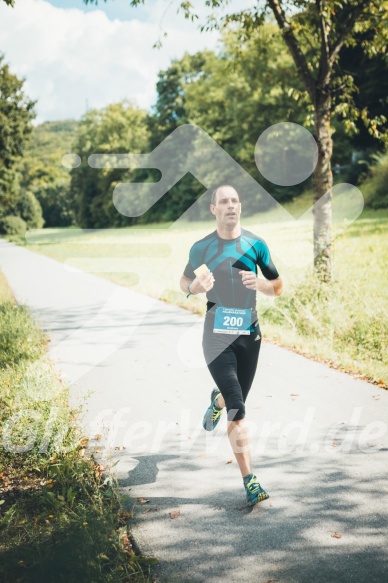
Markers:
(255, 492)
(213, 413)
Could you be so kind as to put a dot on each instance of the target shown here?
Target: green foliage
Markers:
(354, 327)
(20, 339)
(258, 93)
(41, 171)
(12, 225)
(16, 114)
(56, 502)
(375, 187)
(234, 95)
(29, 209)
(257, 79)
(118, 128)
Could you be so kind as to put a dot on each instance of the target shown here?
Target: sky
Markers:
(76, 57)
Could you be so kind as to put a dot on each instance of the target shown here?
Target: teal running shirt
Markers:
(225, 258)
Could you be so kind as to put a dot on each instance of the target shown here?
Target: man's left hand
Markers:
(249, 279)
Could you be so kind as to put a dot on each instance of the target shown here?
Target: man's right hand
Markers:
(202, 284)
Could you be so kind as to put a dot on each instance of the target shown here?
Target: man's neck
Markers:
(229, 234)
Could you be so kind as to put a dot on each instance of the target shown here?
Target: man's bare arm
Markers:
(269, 287)
(184, 283)
(198, 285)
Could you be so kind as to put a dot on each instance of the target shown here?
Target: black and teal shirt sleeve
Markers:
(189, 269)
(200, 253)
(189, 272)
(264, 261)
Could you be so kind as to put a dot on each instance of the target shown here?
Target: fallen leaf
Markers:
(175, 513)
(103, 556)
(294, 394)
(125, 538)
(336, 535)
(202, 454)
(98, 436)
(229, 462)
(142, 500)
(334, 444)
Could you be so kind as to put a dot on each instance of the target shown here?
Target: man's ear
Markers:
(212, 209)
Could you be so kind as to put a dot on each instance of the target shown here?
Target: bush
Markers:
(20, 339)
(12, 225)
(56, 204)
(375, 187)
(29, 209)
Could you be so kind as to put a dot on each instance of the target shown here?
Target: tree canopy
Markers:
(16, 114)
(315, 32)
(117, 128)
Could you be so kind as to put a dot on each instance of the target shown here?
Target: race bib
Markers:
(232, 320)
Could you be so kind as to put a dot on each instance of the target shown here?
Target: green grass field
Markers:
(344, 323)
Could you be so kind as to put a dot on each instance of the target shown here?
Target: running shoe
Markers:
(255, 492)
(213, 413)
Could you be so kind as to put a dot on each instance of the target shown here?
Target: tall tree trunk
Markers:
(322, 181)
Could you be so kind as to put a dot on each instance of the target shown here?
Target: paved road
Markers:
(320, 438)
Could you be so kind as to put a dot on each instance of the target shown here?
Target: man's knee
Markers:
(236, 410)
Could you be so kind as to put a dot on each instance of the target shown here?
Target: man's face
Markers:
(227, 209)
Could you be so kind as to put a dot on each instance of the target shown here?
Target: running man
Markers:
(231, 337)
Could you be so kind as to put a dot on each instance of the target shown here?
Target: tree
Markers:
(16, 114)
(255, 96)
(42, 173)
(315, 33)
(193, 89)
(117, 128)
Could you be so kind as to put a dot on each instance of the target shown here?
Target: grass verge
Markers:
(61, 519)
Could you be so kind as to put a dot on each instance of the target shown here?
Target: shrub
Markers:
(29, 209)
(375, 187)
(20, 339)
(12, 225)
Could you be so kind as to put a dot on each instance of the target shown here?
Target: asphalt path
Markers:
(319, 438)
